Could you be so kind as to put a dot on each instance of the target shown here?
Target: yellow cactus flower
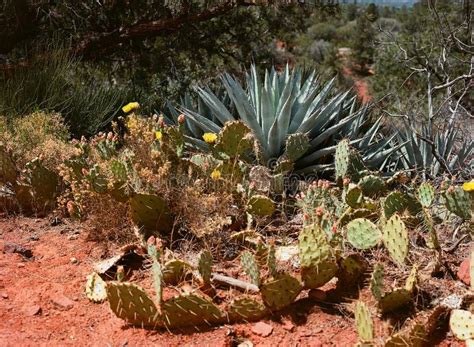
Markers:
(210, 138)
(158, 135)
(130, 107)
(468, 186)
(215, 175)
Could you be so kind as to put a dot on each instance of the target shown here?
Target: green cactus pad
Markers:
(351, 271)
(348, 162)
(8, 173)
(190, 310)
(271, 260)
(205, 266)
(397, 202)
(119, 171)
(426, 194)
(96, 290)
(363, 234)
(395, 238)
(318, 264)
(151, 213)
(412, 280)
(351, 214)
(280, 292)
(376, 282)
(175, 271)
(459, 202)
(157, 280)
(395, 300)
(260, 205)
(205, 162)
(98, 181)
(130, 303)
(234, 139)
(353, 196)
(246, 309)
(372, 186)
(250, 267)
(44, 183)
(364, 323)
(462, 324)
(231, 170)
(296, 146)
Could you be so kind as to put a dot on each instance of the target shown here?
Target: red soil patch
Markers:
(42, 301)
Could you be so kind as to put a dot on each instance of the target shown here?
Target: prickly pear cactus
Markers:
(151, 213)
(44, 183)
(130, 303)
(190, 310)
(471, 269)
(271, 260)
(364, 323)
(372, 186)
(397, 202)
(280, 292)
(426, 194)
(157, 280)
(459, 202)
(348, 162)
(98, 182)
(318, 264)
(376, 282)
(363, 234)
(428, 225)
(246, 309)
(395, 300)
(251, 267)
(412, 280)
(96, 290)
(175, 271)
(235, 139)
(205, 267)
(296, 146)
(351, 271)
(260, 205)
(395, 238)
(462, 324)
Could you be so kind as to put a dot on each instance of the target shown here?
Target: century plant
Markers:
(293, 116)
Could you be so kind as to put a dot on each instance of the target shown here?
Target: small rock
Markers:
(33, 238)
(262, 329)
(74, 260)
(317, 294)
(73, 237)
(245, 343)
(10, 247)
(32, 310)
(21, 265)
(5, 295)
(464, 271)
(62, 301)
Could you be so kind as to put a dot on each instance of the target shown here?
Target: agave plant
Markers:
(418, 151)
(293, 116)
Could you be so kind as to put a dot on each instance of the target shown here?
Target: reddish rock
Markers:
(464, 271)
(32, 310)
(62, 301)
(288, 325)
(262, 329)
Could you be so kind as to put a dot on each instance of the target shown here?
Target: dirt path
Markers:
(42, 301)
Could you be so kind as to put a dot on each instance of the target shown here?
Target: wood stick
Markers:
(233, 282)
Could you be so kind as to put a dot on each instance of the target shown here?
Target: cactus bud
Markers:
(110, 136)
(181, 119)
(346, 181)
(319, 211)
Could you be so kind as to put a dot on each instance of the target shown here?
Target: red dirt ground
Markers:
(51, 276)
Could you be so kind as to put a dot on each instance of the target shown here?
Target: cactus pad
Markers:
(353, 196)
(157, 280)
(459, 202)
(280, 292)
(7, 167)
(364, 323)
(151, 213)
(376, 282)
(205, 266)
(395, 238)
(318, 264)
(401, 203)
(234, 139)
(175, 271)
(363, 234)
(260, 205)
(372, 186)
(348, 162)
(395, 300)
(426, 194)
(251, 267)
(132, 304)
(296, 146)
(96, 290)
(246, 309)
(190, 310)
(351, 271)
(462, 324)
(412, 280)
